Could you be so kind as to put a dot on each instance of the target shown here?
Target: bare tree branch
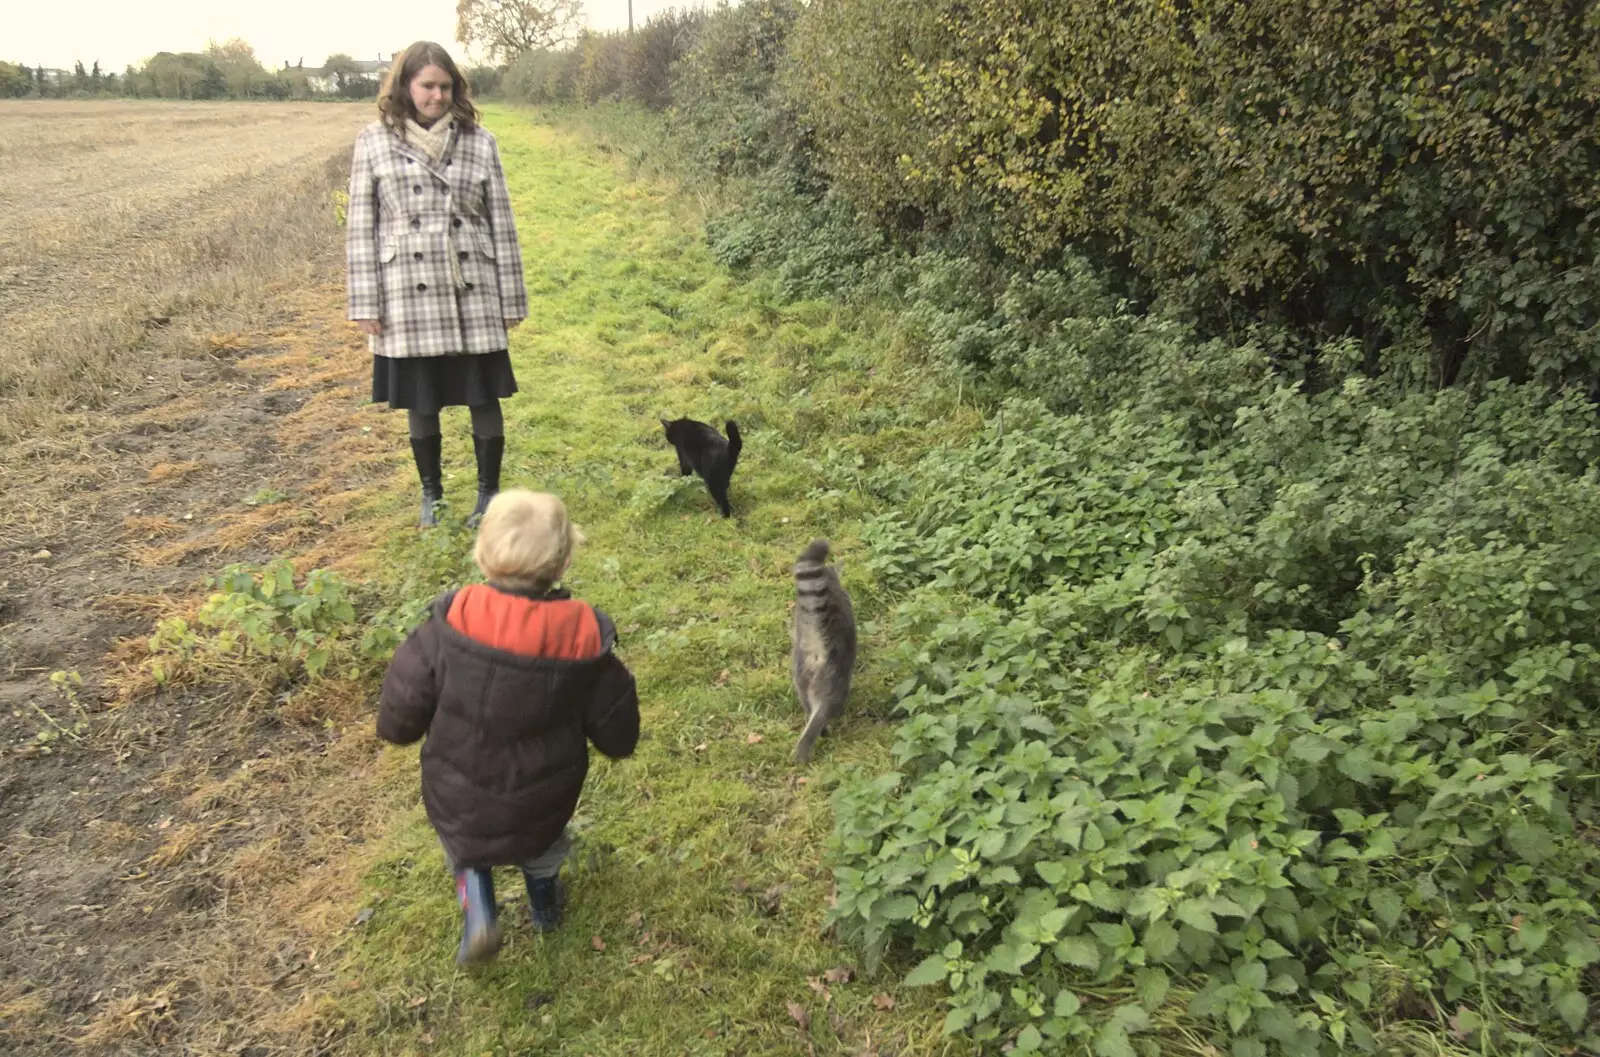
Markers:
(504, 29)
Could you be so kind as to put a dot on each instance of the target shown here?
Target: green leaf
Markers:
(1574, 1009)
(895, 908)
(1252, 975)
(1012, 957)
(931, 970)
(1052, 873)
(1531, 935)
(1386, 905)
(1160, 940)
(1067, 1004)
(1152, 987)
(1132, 1017)
(957, 1019)
(1580, 950)
(1112, 1041)
(1193, 912)
(1028, 1040)
(1080, 951)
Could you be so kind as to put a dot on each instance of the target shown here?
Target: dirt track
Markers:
(169, 293)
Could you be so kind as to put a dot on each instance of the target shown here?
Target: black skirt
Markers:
(424, 384)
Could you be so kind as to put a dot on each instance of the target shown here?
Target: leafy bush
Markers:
(811, 247)
(851, 73)
(261, 612)
(726, 98)
(1059, 334)
(1281, 731)
(659, 44)
(603, 67)
(1415, 174)
(545, 76)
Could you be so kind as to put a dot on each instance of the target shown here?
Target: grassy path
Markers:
(698, 891)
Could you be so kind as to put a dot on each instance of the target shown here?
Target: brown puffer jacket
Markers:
(509, 689)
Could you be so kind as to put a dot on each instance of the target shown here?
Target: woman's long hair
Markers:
(394, 98)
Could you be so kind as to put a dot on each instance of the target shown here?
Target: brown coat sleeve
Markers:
(410, 688)
(612, 718)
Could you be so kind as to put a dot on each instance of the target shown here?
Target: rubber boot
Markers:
(546, 897)
(489, 451)
(425, 450)
(480, 941)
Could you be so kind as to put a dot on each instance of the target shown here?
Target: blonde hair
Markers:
(525, 540)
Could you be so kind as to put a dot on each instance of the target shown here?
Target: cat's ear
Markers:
(665, 424)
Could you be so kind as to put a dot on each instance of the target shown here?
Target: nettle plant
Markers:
(263, 612)
(1280, 742)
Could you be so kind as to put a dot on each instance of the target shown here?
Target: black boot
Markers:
(546, 899)
(489, 451)
(425, 450)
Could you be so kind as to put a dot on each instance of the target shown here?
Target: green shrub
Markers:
(602, 69)
(726, 99)
(1282, 732)
(850, 72)
(545, 76)
(262, 612)
(658, 45)
(1415, 174)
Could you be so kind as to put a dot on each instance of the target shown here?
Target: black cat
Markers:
(702, 450)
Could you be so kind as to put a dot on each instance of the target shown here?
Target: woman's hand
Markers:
(370, 326)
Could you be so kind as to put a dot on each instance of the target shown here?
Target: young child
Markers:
(510, 681)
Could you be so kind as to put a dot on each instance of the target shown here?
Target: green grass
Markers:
(681, 845)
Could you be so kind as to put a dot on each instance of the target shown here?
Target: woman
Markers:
(433, 266)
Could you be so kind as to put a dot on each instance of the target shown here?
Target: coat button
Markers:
(417, 188)
(417, 256)
(462, 256)
(449, 163)
(416, 222)
(456, 221)
(469, 286)
(408, 161)
(422, 286)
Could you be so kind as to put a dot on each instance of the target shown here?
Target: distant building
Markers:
(323, 80)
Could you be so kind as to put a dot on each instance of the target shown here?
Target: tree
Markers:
(504, 29)
(241, 70)
(80, 77)
(39, 81)
(344, 71)
(15, 81)
(96, 78)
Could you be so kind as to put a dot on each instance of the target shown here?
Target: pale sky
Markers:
(55, 33)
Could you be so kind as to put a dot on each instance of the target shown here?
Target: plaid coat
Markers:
(406, 212)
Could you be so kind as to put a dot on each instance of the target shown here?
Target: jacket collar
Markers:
(407, 149)
(554, 594)
(441, 612)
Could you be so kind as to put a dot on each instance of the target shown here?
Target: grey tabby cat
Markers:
(824, 643)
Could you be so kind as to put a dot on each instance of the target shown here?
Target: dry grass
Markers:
(144, 456)
(164, 218)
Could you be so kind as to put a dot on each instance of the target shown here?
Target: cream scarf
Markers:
(434, 141)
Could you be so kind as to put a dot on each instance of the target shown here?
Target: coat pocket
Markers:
(485, 244)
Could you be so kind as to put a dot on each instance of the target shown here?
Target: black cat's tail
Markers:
(735, 444)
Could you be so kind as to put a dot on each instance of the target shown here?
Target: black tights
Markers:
(486, 422)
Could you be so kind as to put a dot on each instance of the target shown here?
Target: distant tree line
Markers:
(230, 70)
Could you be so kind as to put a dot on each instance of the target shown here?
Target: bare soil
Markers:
(200, 404)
